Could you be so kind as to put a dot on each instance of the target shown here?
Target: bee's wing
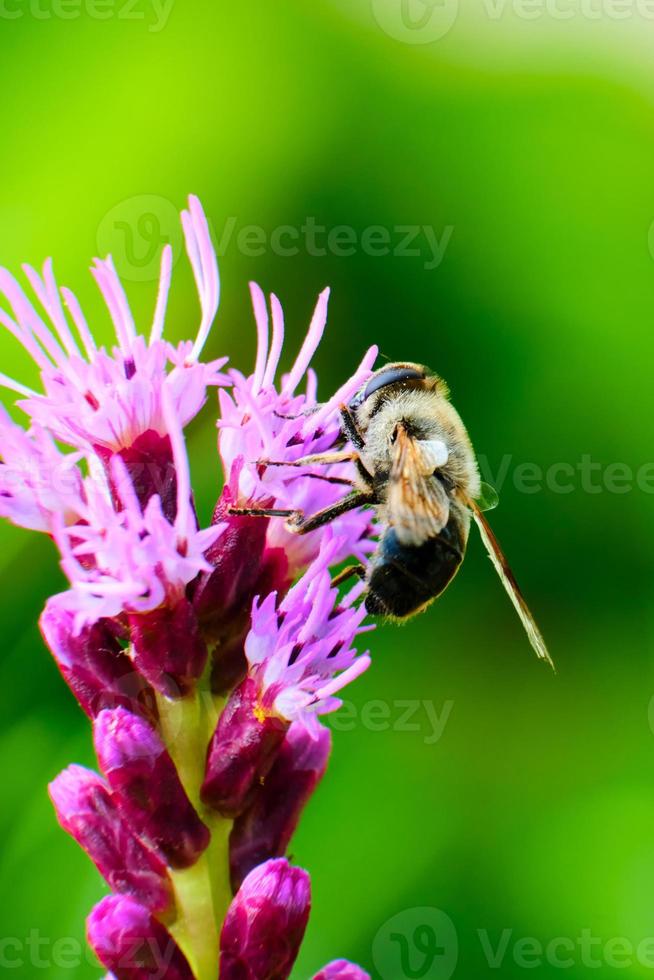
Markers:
(508, 581)
(418, 505)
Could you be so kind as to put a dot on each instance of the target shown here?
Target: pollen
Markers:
(260, 713)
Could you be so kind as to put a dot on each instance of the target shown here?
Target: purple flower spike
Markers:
(342, 970)
(132, 944)
(143, 778)
(165, 619)
(265, 923)
(98, 672)
(264, 831)
(242, 750)
(168, 648)
(89, 814)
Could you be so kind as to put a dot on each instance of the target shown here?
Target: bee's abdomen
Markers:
(403, 579)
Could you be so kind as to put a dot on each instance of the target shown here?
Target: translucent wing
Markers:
(418, 505)
(508, 581)
(488, 498)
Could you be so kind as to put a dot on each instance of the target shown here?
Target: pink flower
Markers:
(37, 481)
(300, 650)
(300, 653)
(261, 420)
(94, 399)
(133, 559)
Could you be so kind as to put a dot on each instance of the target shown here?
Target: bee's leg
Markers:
(317, 459)
(350, 427)
(306, 413)
(337, 480)
(359, 570)
(262, 512)
(365, 477)
(359, 498)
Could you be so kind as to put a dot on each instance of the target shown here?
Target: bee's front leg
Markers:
(303, 525)
(316, 459)
(263, 512)
(350, 427)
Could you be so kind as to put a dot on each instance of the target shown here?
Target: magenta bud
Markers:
(342, 970)
(265, 829)
(143, 778)
(132, 944)
(168, 648)
(242, 750)
(94, 666)
(151, 469)
(265, 923)
(244, 567)
(87, 811)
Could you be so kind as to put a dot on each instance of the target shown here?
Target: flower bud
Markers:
(150, 465)
(132, 944)
(342, 970)
(86, 810)
(242, 750)
(168, 648)
(143, 778)
(243, 566)
(98, 672)
(265, 829)
(265, 923)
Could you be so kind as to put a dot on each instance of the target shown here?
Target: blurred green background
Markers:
(522, 138)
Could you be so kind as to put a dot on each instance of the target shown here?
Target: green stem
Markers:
(203, 892)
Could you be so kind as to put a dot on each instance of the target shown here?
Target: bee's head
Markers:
(389, 382)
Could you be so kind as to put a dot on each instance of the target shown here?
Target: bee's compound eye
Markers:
(391, 377)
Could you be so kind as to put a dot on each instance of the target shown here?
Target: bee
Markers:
(415, 465)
